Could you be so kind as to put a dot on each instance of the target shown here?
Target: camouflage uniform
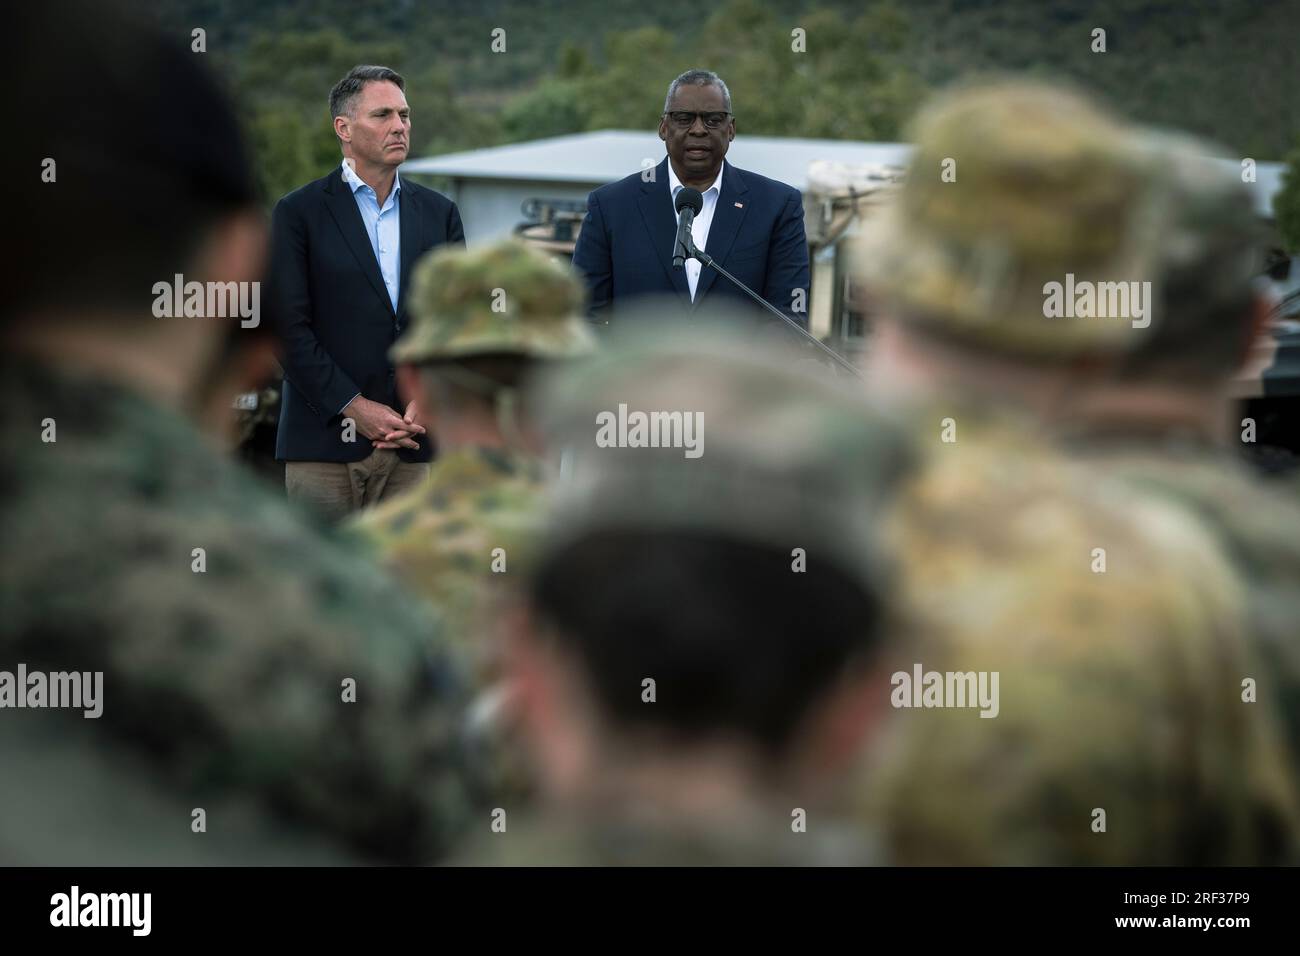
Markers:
(222, 689)
(1120, 690)
(1212, 246)
(442, 538)
(1254, 521)
(789, 461)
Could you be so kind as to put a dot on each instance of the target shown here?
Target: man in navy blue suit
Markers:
(342, 251)
(752, 225)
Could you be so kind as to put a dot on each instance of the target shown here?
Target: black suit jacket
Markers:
(329, 306)
(626, 244)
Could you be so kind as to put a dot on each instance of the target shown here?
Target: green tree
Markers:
(1286, 204)
(553, 109)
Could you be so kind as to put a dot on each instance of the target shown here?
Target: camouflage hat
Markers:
(1014, 185)
(1213, 239)
(497, 299)
(689, 429)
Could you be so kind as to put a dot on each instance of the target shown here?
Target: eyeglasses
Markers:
(683, 119)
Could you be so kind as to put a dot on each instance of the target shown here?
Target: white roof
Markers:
(606, 155)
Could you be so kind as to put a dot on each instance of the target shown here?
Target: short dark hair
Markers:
(126, 209)
(474, 381)
(343, 98)
(738, 643)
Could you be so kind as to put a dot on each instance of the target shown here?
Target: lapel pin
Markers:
(740, 205)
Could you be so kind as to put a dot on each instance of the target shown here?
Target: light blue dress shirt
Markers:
(383, 229)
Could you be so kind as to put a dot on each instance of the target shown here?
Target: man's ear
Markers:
(342, 130)
(663, 129)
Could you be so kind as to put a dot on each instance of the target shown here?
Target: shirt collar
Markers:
(356, 182)
(675, 184)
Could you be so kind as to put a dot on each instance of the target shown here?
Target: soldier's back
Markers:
(461, 538)
(1255, 520)
(1118, 734)
(248, 658)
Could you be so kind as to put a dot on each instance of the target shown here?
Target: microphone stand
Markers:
(707, 260)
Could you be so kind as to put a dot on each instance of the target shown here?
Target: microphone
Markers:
(688, 203)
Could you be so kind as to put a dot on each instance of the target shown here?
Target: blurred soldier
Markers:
(263, 696)
(1166, 420)
(481, 321)
(1112, 619)
(697, 660)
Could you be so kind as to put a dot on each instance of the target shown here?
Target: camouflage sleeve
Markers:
(243, 650)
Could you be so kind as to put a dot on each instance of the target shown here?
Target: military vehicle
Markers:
(552, 224)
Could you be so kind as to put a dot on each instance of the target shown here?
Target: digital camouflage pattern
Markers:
(1120, 690)
(461, 539)
(1013, 185)
(222, 689)
(507, 297)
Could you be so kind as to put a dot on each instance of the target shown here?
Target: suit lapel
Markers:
(410, 240)
(657, 214)
(727, 219)
(343, 207)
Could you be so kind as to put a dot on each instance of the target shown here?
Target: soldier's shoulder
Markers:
(1080, 544)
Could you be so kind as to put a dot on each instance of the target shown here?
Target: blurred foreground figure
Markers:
(1166, 420)
(698, 661)
(252, 692)
(1113, 620)
(481, 321)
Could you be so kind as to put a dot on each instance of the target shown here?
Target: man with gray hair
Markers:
(342, 251)
(752, 225)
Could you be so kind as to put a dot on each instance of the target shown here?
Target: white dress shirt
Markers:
(703, 220)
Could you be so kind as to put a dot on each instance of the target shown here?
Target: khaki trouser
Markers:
(336, 489)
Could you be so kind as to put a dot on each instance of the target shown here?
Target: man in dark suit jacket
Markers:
(752, 225)
(342, 250)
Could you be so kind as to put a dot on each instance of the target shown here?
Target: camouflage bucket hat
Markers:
(1213, 242)
(499, 298)
(690, 430)
(1012, 186)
